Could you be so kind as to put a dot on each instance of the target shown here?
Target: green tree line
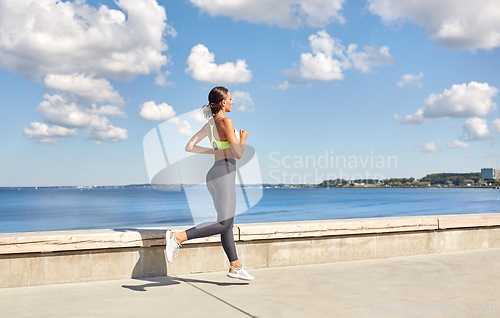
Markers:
(433, 179)
(457, 179)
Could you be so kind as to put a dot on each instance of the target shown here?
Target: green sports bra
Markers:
(216, 144)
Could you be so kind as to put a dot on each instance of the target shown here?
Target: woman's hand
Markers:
(243, 134)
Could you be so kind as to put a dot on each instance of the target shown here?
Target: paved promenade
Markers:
(433, 284)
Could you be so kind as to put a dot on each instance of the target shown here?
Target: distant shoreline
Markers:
(434, 180)
(265, 186)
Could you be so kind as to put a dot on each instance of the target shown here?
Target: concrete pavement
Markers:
(434, 285)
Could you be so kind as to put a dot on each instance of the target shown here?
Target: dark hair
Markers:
(215, 97)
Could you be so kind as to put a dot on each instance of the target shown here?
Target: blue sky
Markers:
(413, 85)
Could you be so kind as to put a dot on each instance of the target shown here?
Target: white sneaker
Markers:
(172, 246)
(241, 273)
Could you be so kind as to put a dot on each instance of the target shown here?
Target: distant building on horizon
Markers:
(488, 174)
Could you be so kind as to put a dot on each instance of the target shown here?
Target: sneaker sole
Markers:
(167, 237)
(231, 275)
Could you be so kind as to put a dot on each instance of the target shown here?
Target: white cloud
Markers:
(372, 56)
(329, 59)
(151, 111)
(283, 86)
(63, 37)
(59, 111)
(113, 134)
(460, 101)
(457, 144)
(411, 80)
(242, 101)
(197, 116)
(43, 134)
(477, 129)
(294, 79)
(183, 127)
(321, 64)
(161, 79)
(78, 47)
(417, 118)
(98, 90)
(322, 42)
(457, 24)
(202, 67)
(105, 111)
(496, 124)
(474, 99)
(428, 147)
(283, 13)
(320, 67)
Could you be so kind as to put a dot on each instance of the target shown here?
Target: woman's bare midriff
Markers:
(223, 154)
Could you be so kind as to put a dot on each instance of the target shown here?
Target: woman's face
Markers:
(227, 103)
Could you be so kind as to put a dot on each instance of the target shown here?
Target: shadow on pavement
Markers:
(168, 280)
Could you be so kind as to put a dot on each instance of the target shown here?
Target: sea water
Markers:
(46, 209)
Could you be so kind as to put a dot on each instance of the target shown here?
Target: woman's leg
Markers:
(227, 240)
(221, 185)
(210, 228)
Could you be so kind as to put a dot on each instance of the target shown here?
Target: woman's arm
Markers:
(192, 144)
(237, 148)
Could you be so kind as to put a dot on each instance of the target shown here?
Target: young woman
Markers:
(220, 179)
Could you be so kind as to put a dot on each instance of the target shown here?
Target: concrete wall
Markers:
(38, 258)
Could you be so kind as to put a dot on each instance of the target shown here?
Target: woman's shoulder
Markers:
(227, 124)
(227, 121)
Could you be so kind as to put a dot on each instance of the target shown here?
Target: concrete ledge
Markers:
(259, 231)
(468, 220)
(33, 242)
(36, 242)
(39, 258)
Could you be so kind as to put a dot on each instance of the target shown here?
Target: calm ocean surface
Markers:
(29, 210)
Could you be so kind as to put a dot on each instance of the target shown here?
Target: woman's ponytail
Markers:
(207, 111)
(215, 97)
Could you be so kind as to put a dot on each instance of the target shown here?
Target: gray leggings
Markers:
(221, 184)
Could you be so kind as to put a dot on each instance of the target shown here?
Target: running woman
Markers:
(220, 179)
